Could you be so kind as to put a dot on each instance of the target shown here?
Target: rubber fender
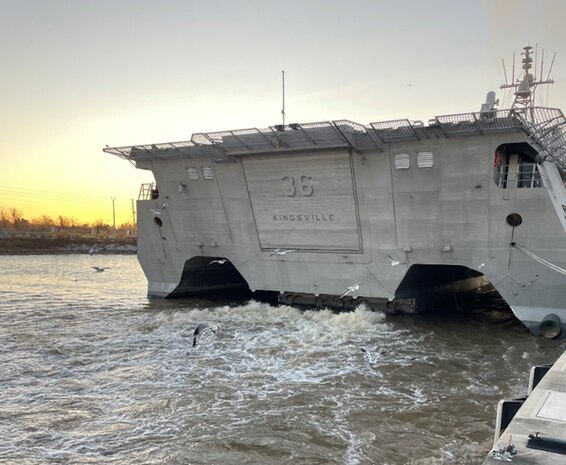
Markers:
(550, 326)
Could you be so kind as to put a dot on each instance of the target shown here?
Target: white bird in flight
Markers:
(158, 212)
(394, 262)
(200, 329)
(281, 252)
(351, 289)
(481, 265)
(220, 262)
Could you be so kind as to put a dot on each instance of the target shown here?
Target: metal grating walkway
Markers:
(545, 127)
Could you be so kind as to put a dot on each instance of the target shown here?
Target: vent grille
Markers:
(402, 161)
(207, 173)
(424, 160)
(193, 174)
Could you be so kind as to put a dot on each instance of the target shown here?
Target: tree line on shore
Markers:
(12, 219)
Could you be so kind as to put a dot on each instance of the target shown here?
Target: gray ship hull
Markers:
(339, 213)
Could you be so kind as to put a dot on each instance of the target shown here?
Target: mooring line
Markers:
(538, 259)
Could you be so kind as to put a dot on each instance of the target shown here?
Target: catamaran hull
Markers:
(338, 213)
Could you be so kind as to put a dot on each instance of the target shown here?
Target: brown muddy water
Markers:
(91, 371)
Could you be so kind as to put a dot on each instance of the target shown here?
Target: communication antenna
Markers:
(526, 85)
(504, 71)
(283, 85)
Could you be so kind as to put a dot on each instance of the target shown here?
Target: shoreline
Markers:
(65, 246)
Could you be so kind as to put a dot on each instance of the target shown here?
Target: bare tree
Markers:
(42, 223)
(63, 221)
(100, 224)
(15, 215)
(4, 219)
(73, 222)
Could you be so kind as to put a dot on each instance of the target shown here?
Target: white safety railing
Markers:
(524, 175)
(148, 191)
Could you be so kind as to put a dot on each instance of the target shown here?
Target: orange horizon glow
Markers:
(32, 205)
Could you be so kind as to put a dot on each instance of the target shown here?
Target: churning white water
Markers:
(91, 371)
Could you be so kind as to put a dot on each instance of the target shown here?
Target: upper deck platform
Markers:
(545, 128)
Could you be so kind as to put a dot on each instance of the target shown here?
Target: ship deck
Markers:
(546, 128)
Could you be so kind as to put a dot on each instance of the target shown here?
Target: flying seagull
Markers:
(220, 262)
(158, 212)
(481, 265)
(351, 289)
(93, 250)
(281, 252)
(199, 330)
(98, 269)
(394, 262)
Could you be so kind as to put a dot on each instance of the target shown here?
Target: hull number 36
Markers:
(297, 184)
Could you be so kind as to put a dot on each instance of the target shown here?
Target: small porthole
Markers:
(158, 221)
(514, 220)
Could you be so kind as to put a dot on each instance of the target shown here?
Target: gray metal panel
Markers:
(304, 201)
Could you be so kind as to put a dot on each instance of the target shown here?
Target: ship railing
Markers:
(324, 134)
(524, 175)
(545, 127)
(148, 191)
(222, 145)
(546, 130)
(394, 130)
(485, 122)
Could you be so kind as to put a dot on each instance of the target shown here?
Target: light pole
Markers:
(133, 214)
(113, 214)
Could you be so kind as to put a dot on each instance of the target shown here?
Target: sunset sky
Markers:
(80, 74)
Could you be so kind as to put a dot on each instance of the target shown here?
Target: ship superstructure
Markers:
(396, 213)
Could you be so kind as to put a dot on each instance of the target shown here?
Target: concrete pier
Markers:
(540, 422)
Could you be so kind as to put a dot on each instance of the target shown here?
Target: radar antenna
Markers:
(526, 85)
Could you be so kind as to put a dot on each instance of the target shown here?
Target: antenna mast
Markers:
(283, 84)
(525, 87)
